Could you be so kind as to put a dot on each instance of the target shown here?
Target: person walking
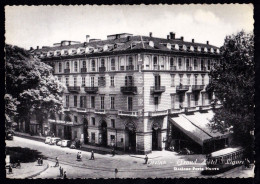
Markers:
(61, 172)
(92, 155)
(41, 161)
(10, 170)
(146, 159)
(116, 171)
(57, 162)
(65, 175)
(113, 152)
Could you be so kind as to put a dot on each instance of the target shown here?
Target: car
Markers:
(54, 140)
(65, 143)
(73, 145)
(59, 143)
(9, 135)
(47, 140)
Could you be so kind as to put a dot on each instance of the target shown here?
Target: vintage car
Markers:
(65, 143)
(54, 140)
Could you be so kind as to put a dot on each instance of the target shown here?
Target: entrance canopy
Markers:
(197, 127)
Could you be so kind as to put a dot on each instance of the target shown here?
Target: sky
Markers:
(31, 26)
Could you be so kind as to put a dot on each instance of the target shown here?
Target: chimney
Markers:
(69, 42)
(207, 42)
(172, 35)
(37, 47)
(117, 36)
(31, 48)
(168, 37)
(151, 34)
(192, 40)
(182, 38)
(87, 38)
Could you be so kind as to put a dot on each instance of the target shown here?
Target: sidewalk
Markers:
(28, 170)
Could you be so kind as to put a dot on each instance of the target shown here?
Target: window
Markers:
(93, 65)
(60, 67)
(112, 103)
(113, 123)
(92, 81)
(195, 64)
(181, 78)
(155, 63)
(102, 106)
(195, 79)
(83, 81)
(129, 81)
(92, 137)
(75, 81)
(173, 101)
(83, 101)
(113, 64)
(102, 63)
(67, 65)
(84, 64)
(156, 102)
(75, 119)
(196, 98)
(202, 78)
(157, 80)
(130, 61)
(202, 64)
(75, 66)
(209, 64)
(75, 101)
(112, 137)
(188, 79)
(92, 102)
(179, 63)
(59, 79)
(130, 103)
(67, 101)
(112, 81)
(67, 81)
(181, 99)
(101, 81)
(172, 80)
(93, 121)
(171, 62)
(187, 64)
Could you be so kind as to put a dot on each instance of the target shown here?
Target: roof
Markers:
(197, 127)
(130, 43)
(225, 151)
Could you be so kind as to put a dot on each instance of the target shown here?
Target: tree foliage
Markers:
(31, 83)
(233, 84)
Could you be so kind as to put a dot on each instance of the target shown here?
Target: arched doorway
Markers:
(85, 131)
(104, 133)
(156, 134)
(130, 137)
(67, 129)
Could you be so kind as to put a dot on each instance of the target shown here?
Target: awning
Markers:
(197, 127)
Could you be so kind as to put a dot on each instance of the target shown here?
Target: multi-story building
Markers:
(122, 91)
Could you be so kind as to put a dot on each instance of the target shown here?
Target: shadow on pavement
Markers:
(24, 155)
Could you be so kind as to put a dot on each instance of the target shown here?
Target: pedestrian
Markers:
(65, 175)
(146, 159)
(10, 170)
(113, 152)
(18, 164)
(116, 171)
(92, 155)
(61, 172)
(39, 162)
(57, 162)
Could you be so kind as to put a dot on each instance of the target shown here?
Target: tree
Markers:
(233, 83)
(31, 83)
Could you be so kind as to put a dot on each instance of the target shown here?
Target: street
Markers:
(161, 164)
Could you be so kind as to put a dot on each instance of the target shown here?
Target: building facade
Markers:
(122, 91)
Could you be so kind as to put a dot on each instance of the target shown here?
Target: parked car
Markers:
(9, 135)
(59, 143)
(54, 140)
(75, 144)
(65, 143)
(47, 140)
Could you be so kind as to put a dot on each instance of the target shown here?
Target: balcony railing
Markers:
(157, 89)
(73, 88)
(175, 111)
(182, 88)
(130, 67)
(156, 67)
(205, 107)
(197, 87)
(91, 89)
(128, 113)
(158, 113)
(81, 109)
(83, 70)
(100, 111)
(189, 68)
(189, 109)
(66, 70)
(129, 89)
(66, 108)
(102, 69)
(122, 68)
(173, 68)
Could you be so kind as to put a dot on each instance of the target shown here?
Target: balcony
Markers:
(128, 113)
(197, 87)
(130, 67)
(190, 109)
(66, 70)
(157, 89)
(176, 111)
(100, 111)
(73, 109)
(188, 68)
(173, 68)
(91, 89)
(81, 110)
(156, 67)
(158, 113)
(83, 70)
(129, 89)
(73, 89)
(66, 108)
(205, 107)
(122, 68)
(102, 69)
(182, 88)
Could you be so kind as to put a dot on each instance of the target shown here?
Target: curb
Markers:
(38, 173)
